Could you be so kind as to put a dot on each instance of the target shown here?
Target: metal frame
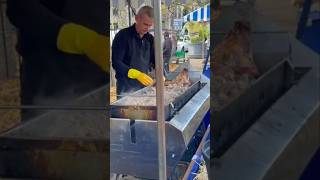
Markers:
(133, 142)
(117, 110)
(160, 92)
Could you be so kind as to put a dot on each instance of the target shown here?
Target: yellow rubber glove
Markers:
(77, 39)
(140, 76)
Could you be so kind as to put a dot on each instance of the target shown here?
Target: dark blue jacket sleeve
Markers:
(119, 47)
(34, 19)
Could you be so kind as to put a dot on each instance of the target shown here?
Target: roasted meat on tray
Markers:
(172, 90)
(233, 65)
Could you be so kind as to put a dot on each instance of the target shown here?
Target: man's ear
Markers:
(136, 18)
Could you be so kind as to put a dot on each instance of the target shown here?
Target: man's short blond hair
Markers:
(148, 10)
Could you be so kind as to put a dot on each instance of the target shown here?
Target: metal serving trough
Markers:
(133, 142)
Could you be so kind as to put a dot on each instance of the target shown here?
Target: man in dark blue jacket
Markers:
(133, 53)
(167, 47)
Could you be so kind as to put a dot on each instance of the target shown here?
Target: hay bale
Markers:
(202, 173)
(9, 96)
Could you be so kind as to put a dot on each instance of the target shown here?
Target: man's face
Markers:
(143, 23)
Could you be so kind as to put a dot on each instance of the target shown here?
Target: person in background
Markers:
(167, 48)
(174, 44)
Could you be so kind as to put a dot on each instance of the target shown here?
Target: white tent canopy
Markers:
(201, 14)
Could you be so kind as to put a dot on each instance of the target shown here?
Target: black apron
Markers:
(140, 60)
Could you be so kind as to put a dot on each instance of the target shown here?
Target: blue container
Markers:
(311, 36)
(207, 71)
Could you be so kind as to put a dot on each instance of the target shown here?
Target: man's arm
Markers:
(119, 47)
(33, 18)
(46, 28)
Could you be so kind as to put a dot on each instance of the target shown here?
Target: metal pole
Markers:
(129, 14)
(160, 91)
(202, 49)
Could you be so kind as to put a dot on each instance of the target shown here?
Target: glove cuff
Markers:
(133, 73)
(74, 38)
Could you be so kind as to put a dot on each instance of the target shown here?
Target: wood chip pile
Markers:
(233, 66)
(9, 96)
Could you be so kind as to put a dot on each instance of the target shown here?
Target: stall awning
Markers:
(201, 14)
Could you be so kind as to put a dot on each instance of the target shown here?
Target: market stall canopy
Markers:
(201, 14)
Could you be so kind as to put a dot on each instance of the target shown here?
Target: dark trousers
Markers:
(166, 65)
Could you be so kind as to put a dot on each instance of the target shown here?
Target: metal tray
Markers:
(149, 112)
(235, 118)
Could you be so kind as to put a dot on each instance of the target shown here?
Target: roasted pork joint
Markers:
(234, 68)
